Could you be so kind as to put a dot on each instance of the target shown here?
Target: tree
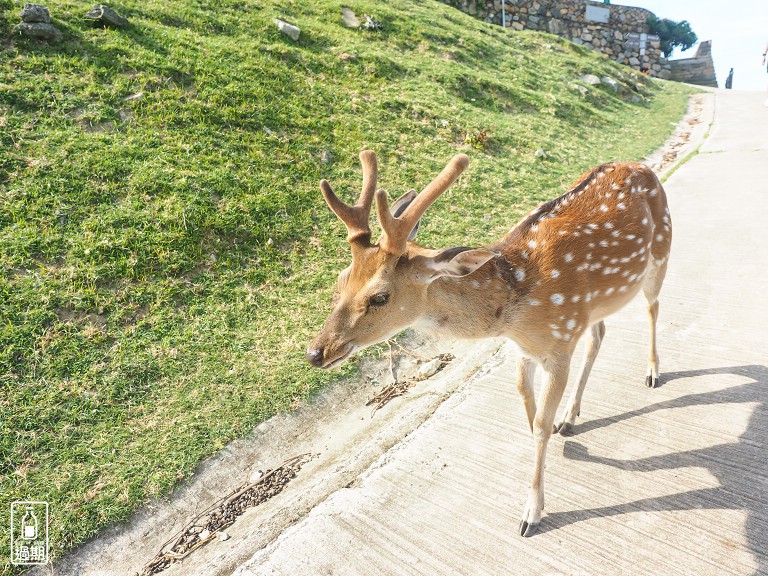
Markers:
(672, 34)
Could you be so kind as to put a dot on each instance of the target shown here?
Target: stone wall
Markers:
(568, 18)
(697, 70)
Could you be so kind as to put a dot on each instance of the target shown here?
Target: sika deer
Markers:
(555, 276)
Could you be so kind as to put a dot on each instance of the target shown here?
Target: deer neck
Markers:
(478, 305)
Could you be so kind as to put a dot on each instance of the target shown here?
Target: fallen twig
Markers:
(399, 388)
(202, 529)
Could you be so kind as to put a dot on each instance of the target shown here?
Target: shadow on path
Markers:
(740, 467)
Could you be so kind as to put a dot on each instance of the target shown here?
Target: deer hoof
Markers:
(651, 381)
(565, 429)
(527, 530)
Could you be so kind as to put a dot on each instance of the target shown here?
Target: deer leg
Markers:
(651, 289)
(526, 369)
(555, 379)
(652, 375)
(596, 335)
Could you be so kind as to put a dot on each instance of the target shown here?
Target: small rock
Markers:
(583, 90)
(288, 29)
(610, 82)
(103, 15)
(429, 369)
(223, 536)
(39, 31)
(204, 534)
(35, 13)
(590, 79)
(540, 153)
(349, 18)
(326, 157)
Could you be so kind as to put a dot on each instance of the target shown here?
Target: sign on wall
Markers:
(597, 14)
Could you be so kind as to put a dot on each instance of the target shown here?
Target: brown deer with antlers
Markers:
(555, 276)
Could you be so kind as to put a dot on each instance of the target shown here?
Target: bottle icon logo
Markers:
(29, 533)
(29, 525)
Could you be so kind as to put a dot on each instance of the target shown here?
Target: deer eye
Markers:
(379, 299)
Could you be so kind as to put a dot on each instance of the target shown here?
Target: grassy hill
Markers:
(165, 252)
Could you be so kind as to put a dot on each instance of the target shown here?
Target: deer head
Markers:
(385, 288)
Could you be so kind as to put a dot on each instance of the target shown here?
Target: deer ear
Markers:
(399, 207)
(451, 264)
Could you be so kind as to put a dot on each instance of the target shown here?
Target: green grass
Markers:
(165, 252)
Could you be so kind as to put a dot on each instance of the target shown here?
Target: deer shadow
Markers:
(740, 467)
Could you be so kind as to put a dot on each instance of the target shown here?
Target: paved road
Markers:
(666, 481)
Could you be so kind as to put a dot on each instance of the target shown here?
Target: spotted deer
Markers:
(554, 277)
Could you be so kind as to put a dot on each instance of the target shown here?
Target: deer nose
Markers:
(315, 357)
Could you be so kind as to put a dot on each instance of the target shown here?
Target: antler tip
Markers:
(461, 161)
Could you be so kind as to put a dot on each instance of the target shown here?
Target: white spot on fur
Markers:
(654, 192)
(571, 324)
(557, 298)
(532, 244)
(555, 273)
(608, 225)
(575, 298)
(609, 291)
(568, 257)
(603, 208)
(621, 206)
(557, 334)
(533, 302)
(659, 237)
(604, 243)
(645, 221)
(475, 284)
(519, 274)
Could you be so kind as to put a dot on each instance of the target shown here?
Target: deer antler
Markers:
(396, 230)
(355, 217)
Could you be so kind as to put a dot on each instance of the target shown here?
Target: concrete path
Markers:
(666, 481)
